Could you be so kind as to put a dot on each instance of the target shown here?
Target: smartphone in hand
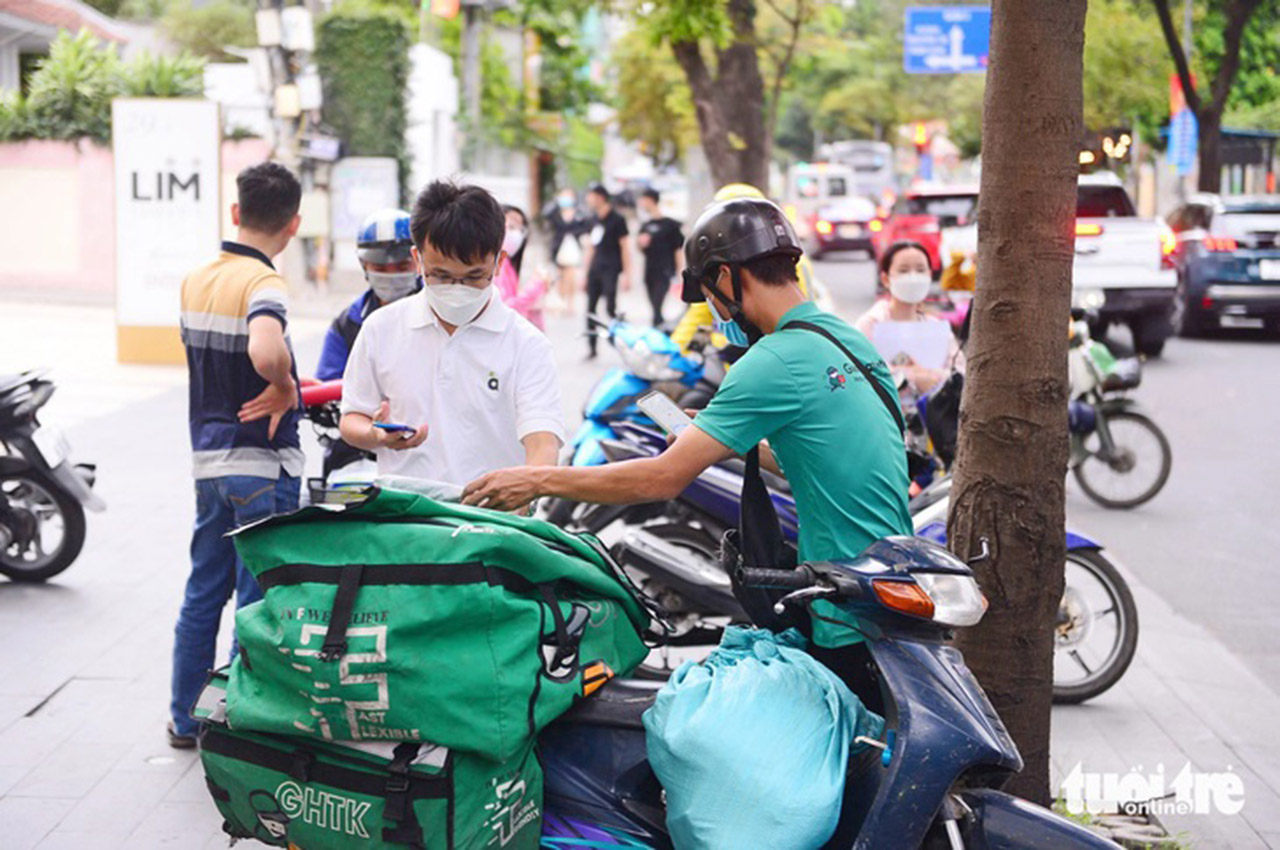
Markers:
(665, 412)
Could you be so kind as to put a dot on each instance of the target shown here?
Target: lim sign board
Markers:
(167, 178)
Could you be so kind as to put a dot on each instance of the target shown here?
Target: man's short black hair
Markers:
(597, 189)
(651, 193)
(459, 220)
(269, 196)
(773, 270)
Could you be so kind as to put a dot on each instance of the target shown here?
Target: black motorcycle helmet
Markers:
(732, 233)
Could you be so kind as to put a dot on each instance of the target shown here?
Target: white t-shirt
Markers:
(480, 391)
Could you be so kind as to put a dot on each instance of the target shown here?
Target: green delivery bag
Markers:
(308, 795)
(404, 619)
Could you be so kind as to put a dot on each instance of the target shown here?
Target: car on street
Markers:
(1124, 267)
(1228, 259)
(923, 212)
(843, 226)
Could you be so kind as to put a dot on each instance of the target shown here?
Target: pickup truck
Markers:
(1124, 267)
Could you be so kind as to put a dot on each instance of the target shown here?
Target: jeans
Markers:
(216, 573)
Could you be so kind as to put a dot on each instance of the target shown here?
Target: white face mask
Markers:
(392, 286)
(910, 288)
(512, 241)
(457, 303)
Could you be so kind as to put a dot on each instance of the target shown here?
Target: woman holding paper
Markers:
(917, 346)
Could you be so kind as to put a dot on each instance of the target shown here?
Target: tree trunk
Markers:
(1010, 475)
(730, 103)
(1210, 156)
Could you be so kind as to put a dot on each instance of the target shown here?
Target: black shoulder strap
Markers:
(862, 367)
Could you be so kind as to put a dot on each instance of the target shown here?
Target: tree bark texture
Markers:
(729, 101)
(1011, 469)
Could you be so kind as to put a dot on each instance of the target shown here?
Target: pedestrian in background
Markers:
(243, 417)
(566, 248)
(662, 242)
(608, 257)
(525, 300)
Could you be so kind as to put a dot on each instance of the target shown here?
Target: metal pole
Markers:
(1186, 29)
(472, 13)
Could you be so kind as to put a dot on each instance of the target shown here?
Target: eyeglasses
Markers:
(469, 280)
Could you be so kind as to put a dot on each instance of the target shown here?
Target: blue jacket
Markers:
(341, 336)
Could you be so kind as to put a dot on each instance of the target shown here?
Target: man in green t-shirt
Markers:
(827, 429)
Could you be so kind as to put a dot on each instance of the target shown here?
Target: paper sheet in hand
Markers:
(926, 343)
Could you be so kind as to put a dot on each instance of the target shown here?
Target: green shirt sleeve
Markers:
(759, 397)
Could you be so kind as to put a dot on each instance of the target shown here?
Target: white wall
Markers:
(432, 135)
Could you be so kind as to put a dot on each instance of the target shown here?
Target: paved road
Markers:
(1208, 543)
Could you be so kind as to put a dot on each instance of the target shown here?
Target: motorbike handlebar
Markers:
(317, 394)
(796, 579)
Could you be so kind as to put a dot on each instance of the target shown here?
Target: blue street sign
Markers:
(946, 39)
(1184, 141)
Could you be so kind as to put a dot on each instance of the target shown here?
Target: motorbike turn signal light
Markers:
(905, 597)
(1220, 244)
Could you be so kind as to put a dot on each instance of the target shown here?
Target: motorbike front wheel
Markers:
(1096, 633)
(45, 527)
(1130, 467)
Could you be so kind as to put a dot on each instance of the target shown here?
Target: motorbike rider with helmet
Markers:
(698, 315)
(836, 436)
(383, 245)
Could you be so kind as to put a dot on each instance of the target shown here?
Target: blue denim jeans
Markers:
(216, 573)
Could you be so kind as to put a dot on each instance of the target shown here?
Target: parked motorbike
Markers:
(674, 549)
(1119, 457)
(651, 360)
(933, 781)
(43, 493)
(345, 469)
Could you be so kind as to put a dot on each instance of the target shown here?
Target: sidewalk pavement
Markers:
(84, 676)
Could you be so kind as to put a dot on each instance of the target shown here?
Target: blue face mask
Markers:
(732, 330)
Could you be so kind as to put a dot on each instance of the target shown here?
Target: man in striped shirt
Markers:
(243, 417)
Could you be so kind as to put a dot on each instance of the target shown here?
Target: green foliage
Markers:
(654, 108)
(110, 8)
(162, 76)
(206, 30)
(144, 10)
(676, 21)
(501, 101)
(1121, 82)
(849, 83)
(362, 52)
(563, 84)
(15, 117)
(71, 92)
(70, 95)
(1254, 101)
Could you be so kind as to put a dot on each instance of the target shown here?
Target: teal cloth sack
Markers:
(404, 619)
(752, 745)
(302, 793)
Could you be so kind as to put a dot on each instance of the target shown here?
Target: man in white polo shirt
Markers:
(475, 382)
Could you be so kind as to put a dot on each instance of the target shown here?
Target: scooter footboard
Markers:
(1000, 821)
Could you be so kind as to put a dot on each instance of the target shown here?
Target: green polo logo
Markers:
(835, 379)
(493, 382)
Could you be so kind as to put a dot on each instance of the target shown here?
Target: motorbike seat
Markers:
(619, 704)
(738, 466)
